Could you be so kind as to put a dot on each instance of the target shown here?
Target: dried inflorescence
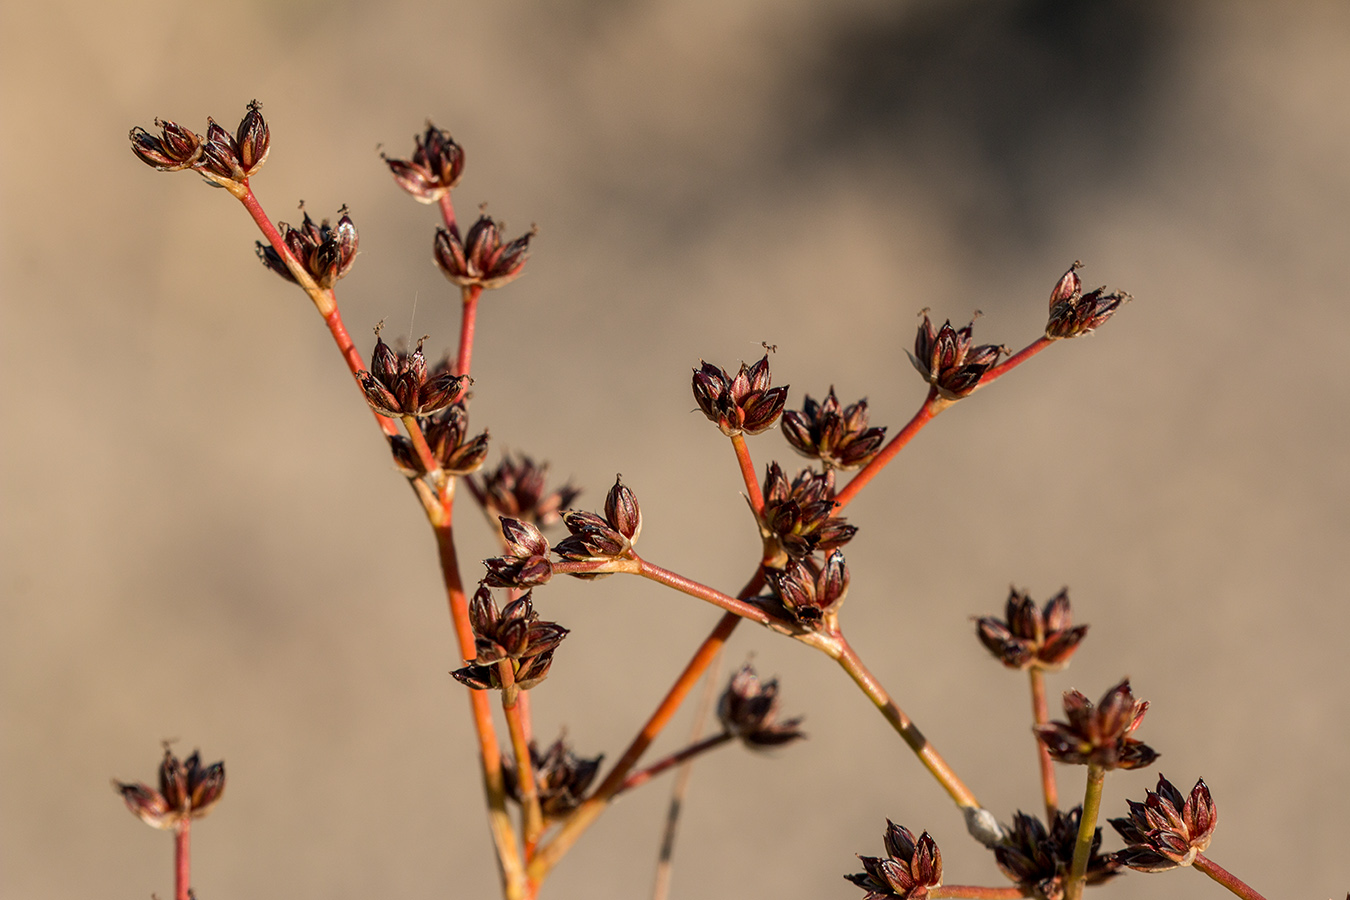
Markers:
(561, 777)
(187, 790)
(910, 870)
(515, 635)
(947, 359)
(525, 563)
(799, 514)
(839, 438)
(745, 404)
(517, 488)
(435, 168)
(1073, 313)
(1167, 830)
(400, 384)
(447, 434)
(748, 709)
(220, 157)
(325, 252)
(1038, 859)
(481, 258)
(807, 590)
(595, 538)
(1029, 637)
(1100, 735)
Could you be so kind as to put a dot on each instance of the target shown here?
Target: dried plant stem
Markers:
(974, 892)
(182, 860)
(532, 817)
(748, 473)
(1040, 712)
(931, 759)
(931, 407)
(1087, 829)
(703, 592)
(1225, 878)
(1015, 360)
(467, 322)
(643, 776)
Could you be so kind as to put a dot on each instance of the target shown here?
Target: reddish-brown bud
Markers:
(399, 384)
(809, 591)
(253, 139)
(517, 488)
(799, 514)
(1073, 313)
(1167, 830)
(481, 258)
(1038, 860)
(515, 634)
(594, 538)
(326, 252)
(1030, 637)
(561, 777)
(839, 439)
(187, 790)
(948, 360)
(910, 870)
(436, 166)
(748, 709)
(446, 433)
(525, 563)
(1099, 735)
(176, 148)
(743, 404)
(220, 155)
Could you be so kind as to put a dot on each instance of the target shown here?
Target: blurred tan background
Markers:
(204, 538)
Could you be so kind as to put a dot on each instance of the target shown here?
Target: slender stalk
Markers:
(975, 892)
(467, 322)
(1225, 878)
(703, 592)
(1087, 829)
(748, 473)
(1040, 712)
(931, 759)
(448, 214)
(932, 405)
(1015, 360)
(641, 777)
(182, 860)
(531, 816)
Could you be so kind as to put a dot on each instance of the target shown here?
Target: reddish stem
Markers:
(1015, 360)
(424, 454)
(931, 407)
(532, 818)
(975, 892)
(703, 592)
(647, 774)
(1040, 712)
(748, 473)
(1225, 878)
(448, 214)
(467, 322)
(182, 860)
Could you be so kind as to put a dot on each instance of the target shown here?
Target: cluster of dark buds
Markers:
(1099, 735)
(748, 709)
(594, 538)
(515, 635)
(187, 790)
(562, 777)
(1167, 830)
(1029, 637)
(482, 258)
(325, 252)
(436, 166)
(946, 359)
(1039, 860)
(221, 157)
(799, 514)
(910, 870)
(525, 563)
(1073, 313)
(516, 488)
(447, 434)
(400, 384)
(808, 591)
(840, 439)
(745, 404)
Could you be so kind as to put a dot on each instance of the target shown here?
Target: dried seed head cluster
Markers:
(808, 591)
(946, 358)
(840, 439)
(514, 635)
(748, 709)
(517, 488)
(744, 404)
(1100, 735)
(1028, 637)
(595, 538)
(482, 258)
(1038, 860)
(1073, 313)
(447, 434)
(910, 870)
(799, 514)
(1167, 830)
(562, 777)
(325, 252)
(525, 563)
(187, 790)
(400, 384)
(225, 159)
(435, 168)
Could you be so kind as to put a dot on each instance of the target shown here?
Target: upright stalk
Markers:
(182, 859)
(931, 407)
(1040, 712)
(1087, 829)
(532, 817)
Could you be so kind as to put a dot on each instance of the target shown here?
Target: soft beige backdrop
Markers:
(204, 539)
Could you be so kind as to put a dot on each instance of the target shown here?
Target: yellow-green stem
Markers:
(1087, 829)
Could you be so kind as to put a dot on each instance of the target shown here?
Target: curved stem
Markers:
(639, 778)
(182, 859)
(931, 759)
(1225, 878)
(1087, 829)
(1040, 712)
(752, 488)
(932, 405)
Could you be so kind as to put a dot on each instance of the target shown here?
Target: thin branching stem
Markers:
(641, 777)
(747, 465)
(1225, 877)
(467, 323)
(703, 592)
(531, 816)
(1087, 830)
(932, 405)
(1040, 712)
(975, 892)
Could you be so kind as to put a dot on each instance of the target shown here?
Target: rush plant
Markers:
(540, 802)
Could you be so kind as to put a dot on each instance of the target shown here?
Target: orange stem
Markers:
(931, 407)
